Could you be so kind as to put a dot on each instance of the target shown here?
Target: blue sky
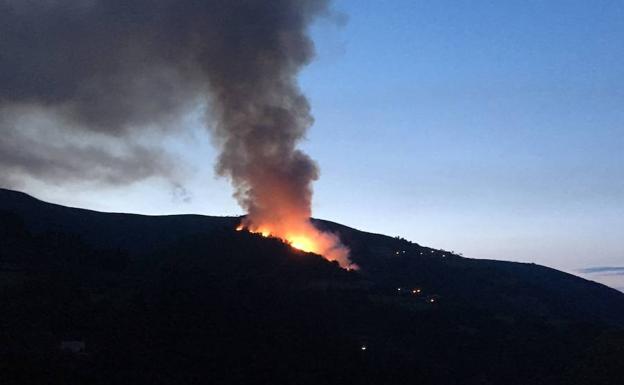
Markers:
(492, 128)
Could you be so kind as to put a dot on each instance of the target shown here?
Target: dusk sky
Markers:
(494, 129)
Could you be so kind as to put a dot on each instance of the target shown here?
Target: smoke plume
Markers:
(82, 81)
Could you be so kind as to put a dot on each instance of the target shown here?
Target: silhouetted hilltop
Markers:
(186, 299)
(128, 231)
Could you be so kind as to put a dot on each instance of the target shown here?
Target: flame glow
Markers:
(302, 243)
(306, 237)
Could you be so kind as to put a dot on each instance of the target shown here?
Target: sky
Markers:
(494, 129)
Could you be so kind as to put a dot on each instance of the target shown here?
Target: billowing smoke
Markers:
(84, 85)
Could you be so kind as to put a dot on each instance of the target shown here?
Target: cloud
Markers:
(603, 270)
(179, 193)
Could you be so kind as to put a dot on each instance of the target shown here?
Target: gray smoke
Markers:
(81, 80)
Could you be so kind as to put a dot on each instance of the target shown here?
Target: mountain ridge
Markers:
(185, 289)
(191, 224)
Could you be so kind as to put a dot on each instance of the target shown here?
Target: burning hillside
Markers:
(304, 236)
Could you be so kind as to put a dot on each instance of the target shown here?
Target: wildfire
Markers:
(302, 243)
(309, 239)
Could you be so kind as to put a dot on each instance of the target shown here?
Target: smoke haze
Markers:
(98, 74)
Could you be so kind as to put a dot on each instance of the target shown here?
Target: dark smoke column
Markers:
(261, 115)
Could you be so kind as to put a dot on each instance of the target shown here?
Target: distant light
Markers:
(398, 289)
(363, 347)
(432, 300)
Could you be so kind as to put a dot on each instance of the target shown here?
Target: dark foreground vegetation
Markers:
(93, 298)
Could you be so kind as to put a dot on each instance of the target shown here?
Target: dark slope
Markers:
(186, 299)
(114, 230)
(520, 287)
(387, 261)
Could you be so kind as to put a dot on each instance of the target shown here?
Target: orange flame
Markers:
(306, 237)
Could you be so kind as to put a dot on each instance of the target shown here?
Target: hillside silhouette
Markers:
(106, 298)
